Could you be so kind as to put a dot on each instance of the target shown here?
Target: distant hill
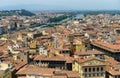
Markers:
(16, 12)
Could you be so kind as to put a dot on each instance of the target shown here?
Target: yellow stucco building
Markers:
(78, 46)
(92, 67)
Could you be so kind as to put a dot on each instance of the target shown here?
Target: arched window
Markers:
(101, 68)
(97, 68)
(89, 69)
(93, 69)
(85, 69)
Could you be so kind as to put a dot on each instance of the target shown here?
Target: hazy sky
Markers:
(60, 4)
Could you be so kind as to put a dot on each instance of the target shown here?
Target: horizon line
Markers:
(62, 10)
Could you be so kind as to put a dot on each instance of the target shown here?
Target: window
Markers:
(89, 69)
(85, 75)
(97, 68)
(101, 68)
(97, 62)
(85, 69)
(93, 75)
(97, 74)
(89, 75)
(101, 74)
(93, 69)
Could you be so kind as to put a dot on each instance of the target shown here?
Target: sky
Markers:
(60, 4)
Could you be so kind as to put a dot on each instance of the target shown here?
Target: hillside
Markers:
(16, 12)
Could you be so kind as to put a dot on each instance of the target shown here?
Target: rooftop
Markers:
(110, 47)
(89, 52)
(49, 72)
(68, 59)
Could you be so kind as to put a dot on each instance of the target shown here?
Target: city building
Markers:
(91, 67)
(31, 71)
(61, 62)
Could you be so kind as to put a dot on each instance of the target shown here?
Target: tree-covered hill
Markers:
(16, 12)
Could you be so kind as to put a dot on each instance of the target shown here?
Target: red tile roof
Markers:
(35, 70)
(82, 60)
(68, 59)
(107, 46)
(88, 52)
(19, 65)
(49, 72)
(114, 71)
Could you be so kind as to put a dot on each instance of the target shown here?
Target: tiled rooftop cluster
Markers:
(82, 48)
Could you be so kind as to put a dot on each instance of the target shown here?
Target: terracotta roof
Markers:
(68, 59)
(4, 56)
(35, 70)
(114, 71)
(88, 52)
(114, 66)
(82, 60)
(52, 58)
(19, 65)
(71, 74)
(49, 72)
(21, 49)
(111, 47)
(63, 48)
(22, 77)
(40, 57)
(68, 74)
(112, 62)
(59, 76)
(90, 32)
(3, 47)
